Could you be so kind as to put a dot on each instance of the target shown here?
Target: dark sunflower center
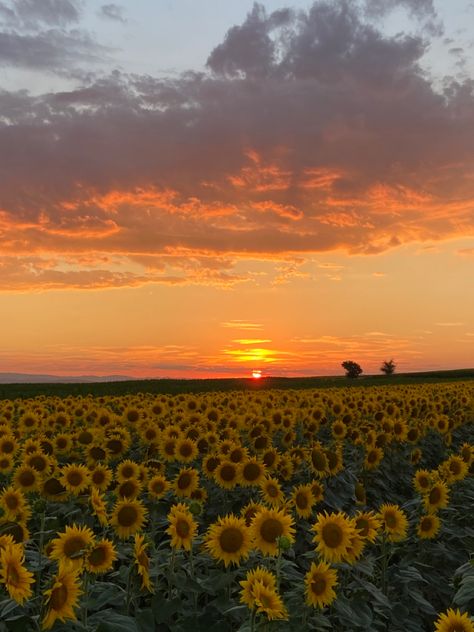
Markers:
(127, 489)
(318, 585)
(59, 597)
(302, 501)
(182, 528)
(97, 556)
(426, 524)
(98, 477)
(53, 487)
(128, 471)
(319, 460)
(97, 453)
(228, 473)
(27, 479)
(184, 481)
(11, 501)
(251, 471)
(390, 519)
(74, 478)
(158, 487)
(435, 496)
(271, 529)
(231, 540)
(127, 516)
(73, 545)
(186, 449)
(332, 535)
(7, 447)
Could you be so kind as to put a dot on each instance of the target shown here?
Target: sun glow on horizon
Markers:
(256, 374)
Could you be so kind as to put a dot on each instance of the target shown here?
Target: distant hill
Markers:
(34, 378)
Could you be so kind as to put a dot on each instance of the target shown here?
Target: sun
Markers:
(256, 374)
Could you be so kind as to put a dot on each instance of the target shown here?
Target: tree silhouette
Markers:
(388, 367)
(351, 368)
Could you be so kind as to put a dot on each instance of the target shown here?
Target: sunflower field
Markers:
(345, 509)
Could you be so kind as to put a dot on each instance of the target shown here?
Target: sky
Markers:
(206, 189)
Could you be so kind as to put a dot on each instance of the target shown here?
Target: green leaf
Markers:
(465, 594)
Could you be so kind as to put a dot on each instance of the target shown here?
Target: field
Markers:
(321, 506)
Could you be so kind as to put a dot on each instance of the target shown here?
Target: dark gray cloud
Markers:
(326, 134)
(417, 8)
(53, 50)
(32, 13)
(113, 12)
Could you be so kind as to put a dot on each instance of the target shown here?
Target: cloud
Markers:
(449, 324)
(324, 135)
(112, 12)
(32, 13)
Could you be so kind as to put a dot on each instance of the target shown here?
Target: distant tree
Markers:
(352, 369)
(388, 367)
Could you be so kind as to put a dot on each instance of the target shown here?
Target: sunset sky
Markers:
(202, 188)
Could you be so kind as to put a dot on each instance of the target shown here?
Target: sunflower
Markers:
(394, 522)
(100, 558)
(436, 497)
(454, 469)
(142, 561)
(99, 507)
(268, 526)
(129, 488)
(319, 461)
(158, 486)
(6, 463)
(335, 462)
(186, 450)
(18, 531)
(96, 452)
(38, 461)
(367, 525)
(75, 478)
(52, 489)
(101, 477)
(182, 527)
(128, 517)
(454, 621)
(71, 546)
(226, 474)
(355, 549)
(186, 481)
(13, 574)
(269, 602)
(127, 469)
(428, 526)
(228, 540)
(320, 581)
(12, 501)
(303, 500)
(259, 574)
(317, 489)
(26, 478)
(252, 472)
(271, 492)
(373, 458)
(360, 494)
(467, 453)
(8, 445)
(209, 464)
(422, 481)
(333, 533)
(62, 597)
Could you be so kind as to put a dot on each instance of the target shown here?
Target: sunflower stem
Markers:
(86, 590)
(253, 615)
(129, 589)
(40, 554)
(384, 586)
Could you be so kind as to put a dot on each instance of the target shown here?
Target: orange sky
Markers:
(305, 198)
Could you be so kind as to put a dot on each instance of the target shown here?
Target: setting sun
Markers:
(256, 374)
